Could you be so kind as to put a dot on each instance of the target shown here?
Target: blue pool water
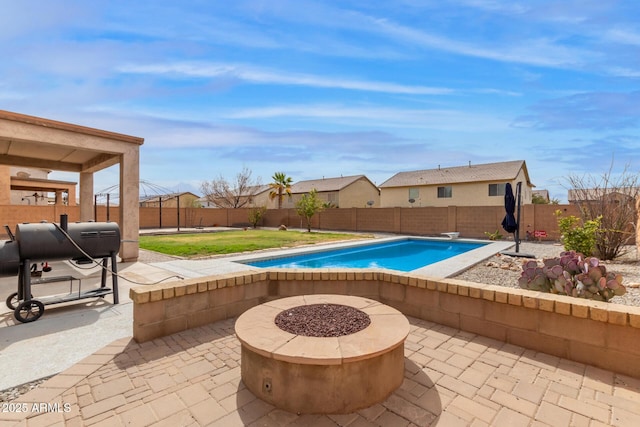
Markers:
(403, 255)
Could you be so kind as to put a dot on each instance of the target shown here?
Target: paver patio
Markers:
(452, 378)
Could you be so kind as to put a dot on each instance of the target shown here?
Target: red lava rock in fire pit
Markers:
(322, 320)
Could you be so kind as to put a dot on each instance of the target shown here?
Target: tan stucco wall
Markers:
(355, 195)
(358, 194)
(263, 199)
(5, 185)
(465, 194)
(325, 196)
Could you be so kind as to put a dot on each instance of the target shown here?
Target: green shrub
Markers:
(577, 237)
(256, 214)
(309, 205)
(494, 236)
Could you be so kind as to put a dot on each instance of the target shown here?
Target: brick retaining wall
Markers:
(595, 333)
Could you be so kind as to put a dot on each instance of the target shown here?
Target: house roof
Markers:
(36, 142)
(585, 194)
(326, 184)
(542, 193)
(256, 189)
(500, 171)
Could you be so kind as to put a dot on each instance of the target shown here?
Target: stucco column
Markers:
(71, 196)
(129, 208)
(5, 185)
(86, 196)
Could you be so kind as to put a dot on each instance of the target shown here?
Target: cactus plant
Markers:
(534, 278)
(572, 274)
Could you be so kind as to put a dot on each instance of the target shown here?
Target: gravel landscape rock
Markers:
(504, 270)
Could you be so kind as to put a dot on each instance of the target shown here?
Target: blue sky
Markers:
(334, 88)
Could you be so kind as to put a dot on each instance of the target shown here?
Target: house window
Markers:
(497, 189)
(444, 192)
(414, 193)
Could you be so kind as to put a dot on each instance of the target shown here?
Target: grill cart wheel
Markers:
(29, 311)
(12, 300)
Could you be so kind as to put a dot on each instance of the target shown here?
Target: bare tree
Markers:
(612, 197)
(225, 194)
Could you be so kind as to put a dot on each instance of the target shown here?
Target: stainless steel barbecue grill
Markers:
(82, 242)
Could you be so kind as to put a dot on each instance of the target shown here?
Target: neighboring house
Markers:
(472, 185)
(355, 191)
(185, 199)
(206, 203)
(32, 186)
(259, 196)
(616, 195)
(543, 194)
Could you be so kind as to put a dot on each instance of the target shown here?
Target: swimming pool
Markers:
(402, 255)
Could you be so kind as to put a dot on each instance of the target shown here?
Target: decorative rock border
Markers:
(322, 375)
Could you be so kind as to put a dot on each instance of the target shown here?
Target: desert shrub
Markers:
(256, 214)
(578, 235)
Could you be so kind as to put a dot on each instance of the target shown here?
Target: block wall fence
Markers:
(469, 221)
(595, 333)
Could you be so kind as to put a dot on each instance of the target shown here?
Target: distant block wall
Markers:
(469, 221)
(595, 333)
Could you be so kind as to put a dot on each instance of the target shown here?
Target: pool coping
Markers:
(445, 268)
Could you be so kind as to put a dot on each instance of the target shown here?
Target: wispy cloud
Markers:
(379, 117)
(19, 19)
(508, 7)
(596, 111)
(538, 51)
(259, 75)
(624, 35)
(594, 155)
(624, 72)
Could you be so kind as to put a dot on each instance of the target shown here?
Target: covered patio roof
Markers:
(48, 144)
(42, 143)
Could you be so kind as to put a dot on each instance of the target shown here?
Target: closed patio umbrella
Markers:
(509, 222)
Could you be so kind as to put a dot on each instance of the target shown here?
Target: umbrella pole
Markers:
(516, 234)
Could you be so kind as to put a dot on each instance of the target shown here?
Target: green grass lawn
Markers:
(228, 242)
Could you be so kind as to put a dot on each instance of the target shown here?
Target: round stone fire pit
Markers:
(338, 354)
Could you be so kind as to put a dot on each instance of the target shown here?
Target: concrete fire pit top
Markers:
(256, 329)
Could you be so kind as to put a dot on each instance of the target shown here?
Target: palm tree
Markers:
(280, 186)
